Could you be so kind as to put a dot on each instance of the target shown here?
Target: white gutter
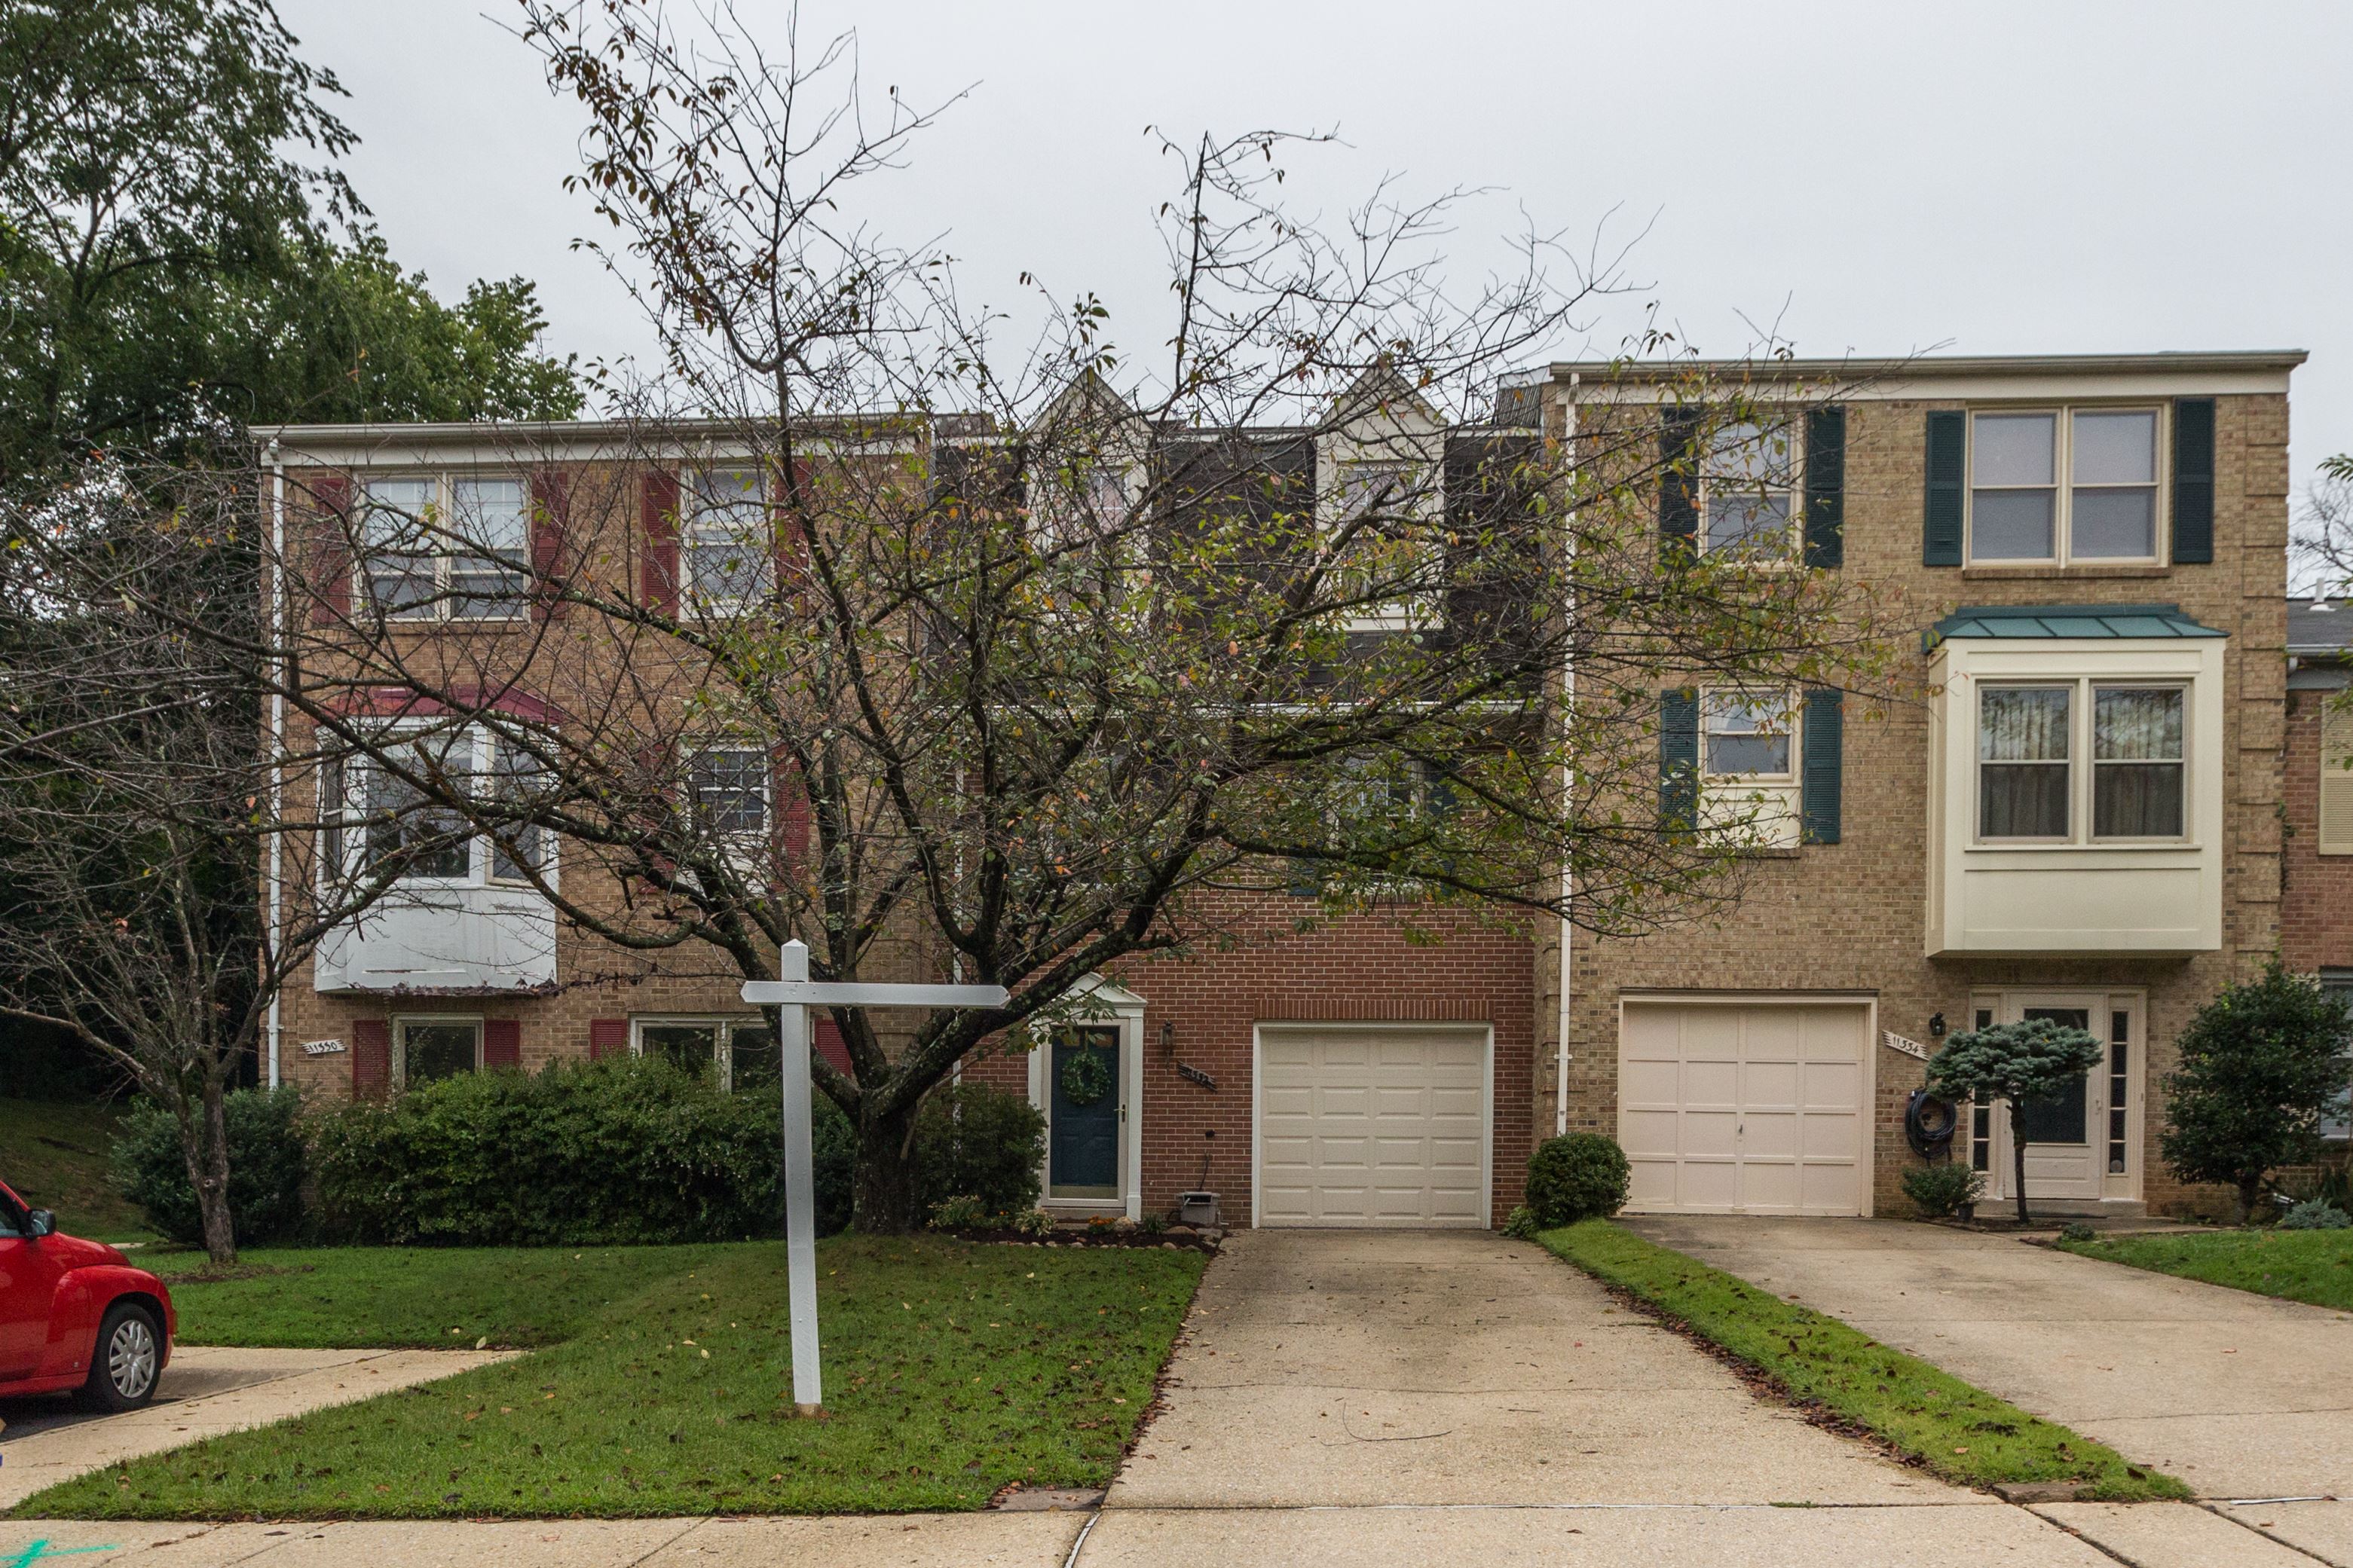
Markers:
(1567, 877)
(277, 738)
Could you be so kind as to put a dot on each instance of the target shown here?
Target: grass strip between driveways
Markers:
(952, 1369)
(1955, 1432)
(2309, 1266)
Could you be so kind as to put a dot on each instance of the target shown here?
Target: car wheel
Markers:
(128, 1357)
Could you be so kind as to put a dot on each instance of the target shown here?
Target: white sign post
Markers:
(792, 994)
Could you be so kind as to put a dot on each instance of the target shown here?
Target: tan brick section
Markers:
(1850, 916)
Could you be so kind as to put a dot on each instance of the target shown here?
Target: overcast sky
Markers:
(1871, 179)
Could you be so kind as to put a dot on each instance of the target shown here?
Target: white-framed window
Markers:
(445, 546)
(2052, 486)
(431, 1048)
(2337, 1122)
(729, 789)
(2134, 784)
(390, 810)
(1749, 490)
(727, 538)
(738, 1054)
(2334, 826)
(1748, 764)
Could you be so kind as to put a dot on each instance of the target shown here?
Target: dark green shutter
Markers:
(1823, 732)
(1678, 760)
(1826, 486)
(1678, 482)
(2193, 480)
(1948, 468)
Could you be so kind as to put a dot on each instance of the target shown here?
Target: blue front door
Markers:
(1083, 1134)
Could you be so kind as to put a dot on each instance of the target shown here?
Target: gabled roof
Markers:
(2051, 621)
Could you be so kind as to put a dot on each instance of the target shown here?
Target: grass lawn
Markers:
(56, 1154)
(386, 1297)
(2315, 1265)
(1958, 1433)
(951, 1368)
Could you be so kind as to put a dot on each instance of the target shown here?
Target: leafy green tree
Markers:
(168, 264)
(2018, 1063)
(2260, 1063)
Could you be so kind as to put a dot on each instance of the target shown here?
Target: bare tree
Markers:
(1016, 663)
(134, 795)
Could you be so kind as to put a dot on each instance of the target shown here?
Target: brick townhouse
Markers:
(2316, 856)
(2076, 816)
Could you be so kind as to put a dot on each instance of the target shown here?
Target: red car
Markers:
(75, 1315)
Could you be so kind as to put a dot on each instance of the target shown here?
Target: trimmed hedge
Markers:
(266, 1164)
(620, 1152)
(1580, 1176)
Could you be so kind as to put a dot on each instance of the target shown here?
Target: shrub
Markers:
(2076, 1230)
(629, 1149)
(1520, 1224)
(267, 1164)
(1034, 1223)
(962, 1212)
(2260, 1063)
(1155, 1223)
(971, 1139)
(2020, 1063)
(1937, 1191)
(2314, 1215)
(1582, 1176)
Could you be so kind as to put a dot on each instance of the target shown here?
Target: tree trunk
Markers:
(884, 1196)
(204, 1141)
(2018, 1157)
(2251, 1191)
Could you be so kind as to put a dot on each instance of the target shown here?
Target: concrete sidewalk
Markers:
(2238, 1395)
(205, 1390)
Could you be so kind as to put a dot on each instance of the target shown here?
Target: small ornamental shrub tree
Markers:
(973, 1141)
(1937, 1191)
(2018, 1063)
(267, 1164)
(1583, 1175)
(2313, 1213)
(2260, 1063)
(627, 1150)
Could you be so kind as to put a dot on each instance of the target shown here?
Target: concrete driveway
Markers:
(2239, 1395)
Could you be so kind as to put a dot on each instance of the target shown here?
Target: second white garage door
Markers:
(1744, 1108)
(1373, 1125)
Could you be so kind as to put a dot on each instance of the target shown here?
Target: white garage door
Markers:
(1364, 1125)
(1742, 1108)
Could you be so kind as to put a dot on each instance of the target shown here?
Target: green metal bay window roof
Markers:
(2012, 621)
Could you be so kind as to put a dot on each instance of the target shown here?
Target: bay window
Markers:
(396, 811)
(2028, 745)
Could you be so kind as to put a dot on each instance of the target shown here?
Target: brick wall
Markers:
(2316, 889)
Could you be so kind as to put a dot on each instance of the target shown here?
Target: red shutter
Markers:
(550, 516)
(658, 571)
(328, 555)
(792, 556)
(371, 1058)
(502, 1043)
(607, 1037)
(829, 1045)
(792, 810)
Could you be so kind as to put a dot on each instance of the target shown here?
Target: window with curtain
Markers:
(2137, 763)
(2023, 751)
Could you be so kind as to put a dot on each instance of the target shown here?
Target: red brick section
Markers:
(1360, 969)
(2316, 889)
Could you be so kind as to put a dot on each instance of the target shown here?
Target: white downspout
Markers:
(277, 739)
(1567, 877)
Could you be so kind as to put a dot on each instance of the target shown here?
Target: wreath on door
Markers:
(1086, 1076)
